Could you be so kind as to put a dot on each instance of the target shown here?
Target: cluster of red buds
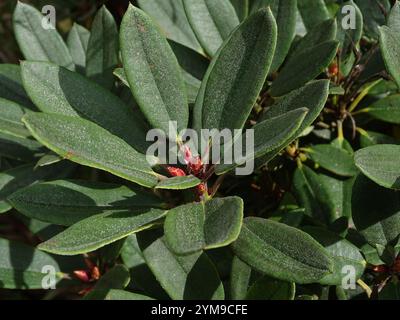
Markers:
(194, 166)
(393, 269)
(90, 275)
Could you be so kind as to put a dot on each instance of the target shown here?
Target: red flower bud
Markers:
(380, 269)
(176, 172)
(82, 275)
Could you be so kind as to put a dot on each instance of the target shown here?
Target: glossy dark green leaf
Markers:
(179, 183)
(285, 15)
(57, 90)
(102, 49)
(386, 109)
(304, 67)
(66, 202)
(84, 142)
(171, 17)
(11, 87)
(269, 135)
(268, 288)
(153, 72)
(282, 252)
(24, 267)
(312, 194)
(115, 294)
(335, 160)
(10, 119)
(77, 41)
(21, 149)
(196, 226)
(312, 96)
(99, 230)
(381, 164)
(212, 22)
(389, 40)
(344, 254)
(116, 278)
(22, 176)
(35, 41)
(229, 90)
(241, 7)
(313, 12)
(376, 212)
(182, 277)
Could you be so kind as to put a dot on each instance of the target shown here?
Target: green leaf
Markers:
(179, 183)
(389, 40)
(241, 8)
(373, 15)
(194, 67)
(77, 42)
(48, 159)
(36, 42)
(212, 22)
(370, 138)
(182, 277)
(22, 267)
(11, 87)
(282, 252)
(84, 142)
(285, 12)
(171, 17)
(23, 176)
(313, 12)
(10, 119)
(17, 148)
(391, 291)
(269, 135)
(348, 37)
(116, 278)
(312, 194)
(312, 96)
(115, 294)
(66, 202)
(196, 226)
(153, 72)
(376, 212)
(381, 164)
(268, 288)
(141, 276)
(386, 109)
(99, 230)
(239, 279)
(344, 254)
(335, 160)
(229, 90)
(339, 192)
(102, 49)
(304, 67)
(320, 33)
(54, 90)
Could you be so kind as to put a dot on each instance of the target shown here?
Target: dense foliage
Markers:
(85, 213)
